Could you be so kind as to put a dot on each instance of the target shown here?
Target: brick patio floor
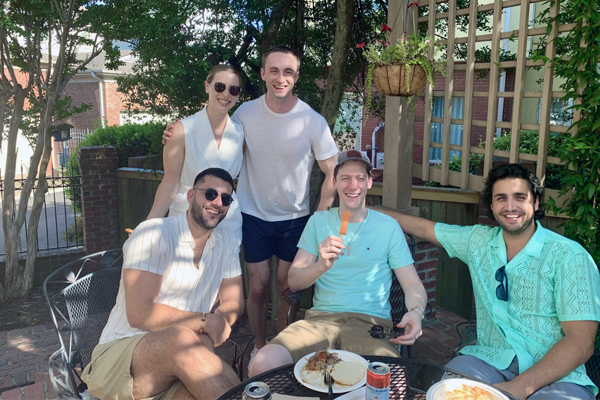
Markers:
(24, 354)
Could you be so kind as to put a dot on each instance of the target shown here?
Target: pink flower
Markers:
(358, 46)
(386, 44)
(385, 28)
(414, 3)
(428, 41)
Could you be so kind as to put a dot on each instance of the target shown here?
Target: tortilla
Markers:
(348, 373)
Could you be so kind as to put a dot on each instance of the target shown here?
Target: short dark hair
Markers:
(279, 49)
(508, 171)
(217, 173)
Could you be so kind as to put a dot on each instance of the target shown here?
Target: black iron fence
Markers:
(61, 224)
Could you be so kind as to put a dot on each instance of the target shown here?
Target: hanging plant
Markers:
(403, 68)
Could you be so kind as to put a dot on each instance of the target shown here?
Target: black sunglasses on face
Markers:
(220, 87)
(502, 289)
(211, 194)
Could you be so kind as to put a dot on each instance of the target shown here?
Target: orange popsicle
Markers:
(345, 220)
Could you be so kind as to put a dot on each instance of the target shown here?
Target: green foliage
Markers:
(74, 233)
(528, 144)
(177, 42)
(410, 50)
(129, 140)
(579, 51)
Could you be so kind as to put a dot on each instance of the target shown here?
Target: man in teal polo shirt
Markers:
(537, 293)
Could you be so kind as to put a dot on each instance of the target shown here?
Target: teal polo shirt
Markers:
(552, 279)
(359, 282)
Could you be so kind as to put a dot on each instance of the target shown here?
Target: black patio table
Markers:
(282, 380)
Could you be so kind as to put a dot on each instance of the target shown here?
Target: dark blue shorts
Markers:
(262, 239)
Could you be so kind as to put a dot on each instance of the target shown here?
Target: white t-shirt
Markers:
(280, 152)
(165, 246)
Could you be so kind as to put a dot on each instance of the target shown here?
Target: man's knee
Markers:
(182, 341)
(269, 357)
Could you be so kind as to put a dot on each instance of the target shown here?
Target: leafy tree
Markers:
(39, 42)
(577, 64)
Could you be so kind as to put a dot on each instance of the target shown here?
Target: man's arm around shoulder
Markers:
(419, 227)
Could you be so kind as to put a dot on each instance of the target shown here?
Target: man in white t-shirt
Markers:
(284, 136)
(160, 337)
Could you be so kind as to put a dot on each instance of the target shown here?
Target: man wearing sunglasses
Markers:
(160, 337)
(537, 293)
(352, 274)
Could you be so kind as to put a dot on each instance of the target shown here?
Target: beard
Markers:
(514, 231)
(198, 217)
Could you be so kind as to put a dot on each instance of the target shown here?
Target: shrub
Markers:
(129, 140)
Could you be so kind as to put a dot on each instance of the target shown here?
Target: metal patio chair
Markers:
(80, 296)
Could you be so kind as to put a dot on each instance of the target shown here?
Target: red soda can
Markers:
(378, 381)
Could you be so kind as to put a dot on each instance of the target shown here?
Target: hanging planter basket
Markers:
(391, 80)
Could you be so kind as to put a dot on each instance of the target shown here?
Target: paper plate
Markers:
(438, 391)
(345, 356)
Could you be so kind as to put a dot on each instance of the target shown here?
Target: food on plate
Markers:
(320, 361)
(344, 226)
(467, 392)
(314, 378)
(348, 373)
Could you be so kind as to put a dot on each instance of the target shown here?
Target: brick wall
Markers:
(426, 265)
(84, 93)
(98, 167)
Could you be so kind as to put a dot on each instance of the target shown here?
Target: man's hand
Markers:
(329, 250)
(512, 388)
(168, 132)
(217, 329)
(411, 322)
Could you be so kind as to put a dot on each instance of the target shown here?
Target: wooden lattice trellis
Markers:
(463, 179)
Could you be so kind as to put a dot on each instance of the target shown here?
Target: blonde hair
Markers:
(220, 68)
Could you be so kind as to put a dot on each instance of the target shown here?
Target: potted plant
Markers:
(403, 68)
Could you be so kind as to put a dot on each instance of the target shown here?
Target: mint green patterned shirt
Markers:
(552, 279)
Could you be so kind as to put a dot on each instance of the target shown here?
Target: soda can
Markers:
(378, 381)
(257, 391)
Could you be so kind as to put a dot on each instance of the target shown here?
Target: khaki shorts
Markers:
(108, 375)
(341, 331)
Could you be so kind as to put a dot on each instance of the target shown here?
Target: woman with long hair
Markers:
(204, 140)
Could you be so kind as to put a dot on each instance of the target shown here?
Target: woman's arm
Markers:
(173, 156)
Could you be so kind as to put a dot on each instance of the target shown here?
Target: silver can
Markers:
(257, 391)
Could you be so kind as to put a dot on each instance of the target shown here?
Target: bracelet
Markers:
(203, 319)
(419, 308)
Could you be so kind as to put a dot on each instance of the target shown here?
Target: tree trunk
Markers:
(339, 59)
(11, 285)
(335, 86)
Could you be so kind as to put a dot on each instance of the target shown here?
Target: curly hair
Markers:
(508, 171)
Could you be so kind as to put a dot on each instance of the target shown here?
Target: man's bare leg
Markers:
(161, 358)
(259, 280)
(283, 267)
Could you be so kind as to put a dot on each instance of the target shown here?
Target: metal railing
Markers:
(61, 223)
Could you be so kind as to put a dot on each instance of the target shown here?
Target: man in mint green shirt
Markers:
(352, 273)
(537, 293)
